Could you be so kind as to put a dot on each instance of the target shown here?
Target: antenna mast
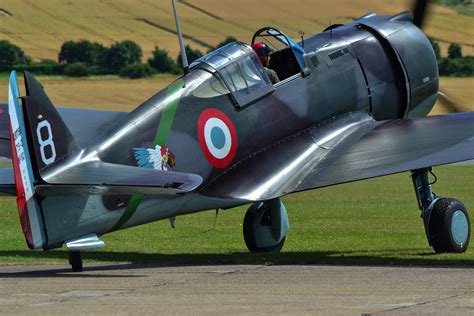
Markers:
(184, 58)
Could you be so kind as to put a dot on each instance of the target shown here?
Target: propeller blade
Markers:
(450, 105)
(419, 12)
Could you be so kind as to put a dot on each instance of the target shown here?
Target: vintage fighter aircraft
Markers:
(351, 105)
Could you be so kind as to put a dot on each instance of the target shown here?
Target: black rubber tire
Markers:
(75, 260)
(249, 237)
(441, 235)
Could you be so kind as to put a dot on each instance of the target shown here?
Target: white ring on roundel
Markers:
(216, 152)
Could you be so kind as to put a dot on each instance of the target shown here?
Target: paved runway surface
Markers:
(249, 289)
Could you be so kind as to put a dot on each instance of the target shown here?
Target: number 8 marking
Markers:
(46, 142)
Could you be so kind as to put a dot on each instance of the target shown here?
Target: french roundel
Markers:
(217, 137)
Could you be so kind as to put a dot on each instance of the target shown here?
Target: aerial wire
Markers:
(184, 58)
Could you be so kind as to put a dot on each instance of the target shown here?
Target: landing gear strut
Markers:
(446, 220)
(83, 243)
(265, 226)
(75, 260)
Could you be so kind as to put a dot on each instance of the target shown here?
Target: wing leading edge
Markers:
(351, 148)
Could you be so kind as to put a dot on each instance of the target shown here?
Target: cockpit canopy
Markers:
(240, 70)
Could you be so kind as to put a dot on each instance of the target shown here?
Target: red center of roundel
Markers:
(217, 137)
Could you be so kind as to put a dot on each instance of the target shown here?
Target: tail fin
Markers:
(28, 207)
(48, 135)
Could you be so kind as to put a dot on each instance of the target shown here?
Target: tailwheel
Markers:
(265, 226)
(450, 228)
(75, 260)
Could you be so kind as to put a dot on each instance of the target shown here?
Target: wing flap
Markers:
(334, 153)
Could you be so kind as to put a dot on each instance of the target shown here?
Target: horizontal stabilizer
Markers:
(105, 179)
(7, 182)
(84, 124)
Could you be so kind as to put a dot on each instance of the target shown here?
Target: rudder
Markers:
(29, 210)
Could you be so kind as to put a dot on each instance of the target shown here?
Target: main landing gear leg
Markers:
(75, 260)
(446, 220)
(265, 226)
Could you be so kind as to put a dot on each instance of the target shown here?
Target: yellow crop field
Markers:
(41, 26)
(460, 90)
(95, 93)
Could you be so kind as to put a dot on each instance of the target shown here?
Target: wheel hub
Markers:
(459, 227)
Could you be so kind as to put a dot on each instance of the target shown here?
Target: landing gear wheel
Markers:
(75, 260)
(450, 228)
(257, 219)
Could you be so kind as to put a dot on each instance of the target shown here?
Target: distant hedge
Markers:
(77, 69)
(457, 67)
(136, 71)
(44, 67)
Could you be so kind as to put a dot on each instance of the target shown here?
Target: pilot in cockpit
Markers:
(263, 53)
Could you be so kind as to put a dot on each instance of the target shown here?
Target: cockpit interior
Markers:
(286, 57)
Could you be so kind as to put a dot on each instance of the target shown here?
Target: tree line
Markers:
(455, 64)
(85, 58)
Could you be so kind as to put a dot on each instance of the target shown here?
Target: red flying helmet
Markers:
(262, 50)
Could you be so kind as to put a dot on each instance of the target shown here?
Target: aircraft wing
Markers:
(85, 124)
(350, 148)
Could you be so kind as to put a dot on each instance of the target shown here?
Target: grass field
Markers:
(41, 26)
(368, 222)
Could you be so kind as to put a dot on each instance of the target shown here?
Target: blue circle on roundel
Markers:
(217, 137)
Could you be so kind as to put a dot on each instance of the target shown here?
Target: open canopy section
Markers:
(286, 57)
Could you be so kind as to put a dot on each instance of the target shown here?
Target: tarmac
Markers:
(236, 289)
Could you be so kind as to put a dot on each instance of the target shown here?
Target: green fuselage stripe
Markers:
(167, 117)
(164, 128)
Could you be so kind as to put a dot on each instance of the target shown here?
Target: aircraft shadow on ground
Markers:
(136, 260)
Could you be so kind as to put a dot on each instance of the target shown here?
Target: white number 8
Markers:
(46, 142)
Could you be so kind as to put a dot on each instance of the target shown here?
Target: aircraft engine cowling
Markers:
(412, 57)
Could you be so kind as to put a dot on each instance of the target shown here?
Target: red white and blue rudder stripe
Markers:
(28, 207)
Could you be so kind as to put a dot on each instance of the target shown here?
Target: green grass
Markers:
(369, 222)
